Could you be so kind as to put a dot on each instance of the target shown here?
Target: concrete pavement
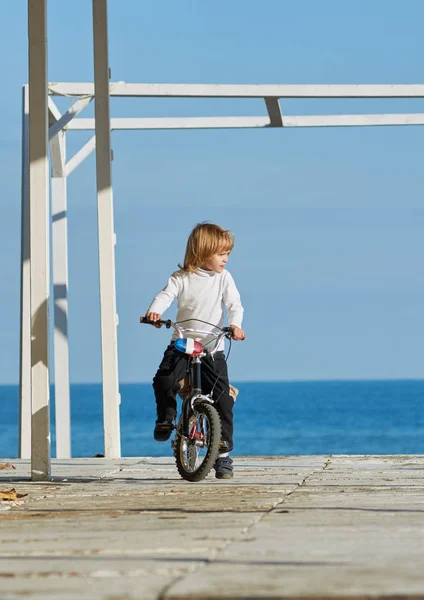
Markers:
(285, 527)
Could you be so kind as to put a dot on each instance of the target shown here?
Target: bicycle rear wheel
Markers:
(195, 455)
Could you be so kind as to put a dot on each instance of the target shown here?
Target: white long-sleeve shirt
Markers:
(201, 295)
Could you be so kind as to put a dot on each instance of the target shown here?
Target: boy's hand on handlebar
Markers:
(238, 334)
(150, 316)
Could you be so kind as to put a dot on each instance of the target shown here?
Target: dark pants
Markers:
(173, 368)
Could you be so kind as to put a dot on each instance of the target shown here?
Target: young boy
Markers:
(203, 288)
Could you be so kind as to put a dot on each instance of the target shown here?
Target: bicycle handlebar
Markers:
(168, 324)
(225, 331)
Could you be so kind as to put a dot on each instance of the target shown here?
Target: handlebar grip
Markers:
(167, 323)
(228, 331)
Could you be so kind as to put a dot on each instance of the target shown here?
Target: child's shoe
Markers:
(223, 467)
(164, 427)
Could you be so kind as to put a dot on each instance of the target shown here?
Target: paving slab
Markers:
(285, 527)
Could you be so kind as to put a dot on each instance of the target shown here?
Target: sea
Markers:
(271, 418)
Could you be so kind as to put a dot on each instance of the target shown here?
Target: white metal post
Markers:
(25, 335)
(106, 234)
(39, 236)
(60, 290)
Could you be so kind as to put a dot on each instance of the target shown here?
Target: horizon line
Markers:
(243, 381)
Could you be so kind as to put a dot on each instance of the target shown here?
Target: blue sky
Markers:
(328, 222)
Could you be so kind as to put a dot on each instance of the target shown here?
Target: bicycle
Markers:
(198, 430)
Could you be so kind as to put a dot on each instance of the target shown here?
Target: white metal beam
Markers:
(353, 120)
(194, 90)
(54, 112)
(81, 155)
(25, 344)
(174, 123)
(249, 122)
(75, 109)
(57, 152)
(106, 235)
(39, 236)
(60, 294)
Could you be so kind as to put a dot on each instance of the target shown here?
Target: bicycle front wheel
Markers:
(195, 455)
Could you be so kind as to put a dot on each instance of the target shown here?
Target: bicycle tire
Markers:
(214, 433)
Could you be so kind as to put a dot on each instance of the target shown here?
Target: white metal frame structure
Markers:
(42, 123)
(70, 121)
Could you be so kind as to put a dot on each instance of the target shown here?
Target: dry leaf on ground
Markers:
(11, 495)
(7, 466)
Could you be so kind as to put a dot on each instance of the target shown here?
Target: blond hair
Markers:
(204, 241)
